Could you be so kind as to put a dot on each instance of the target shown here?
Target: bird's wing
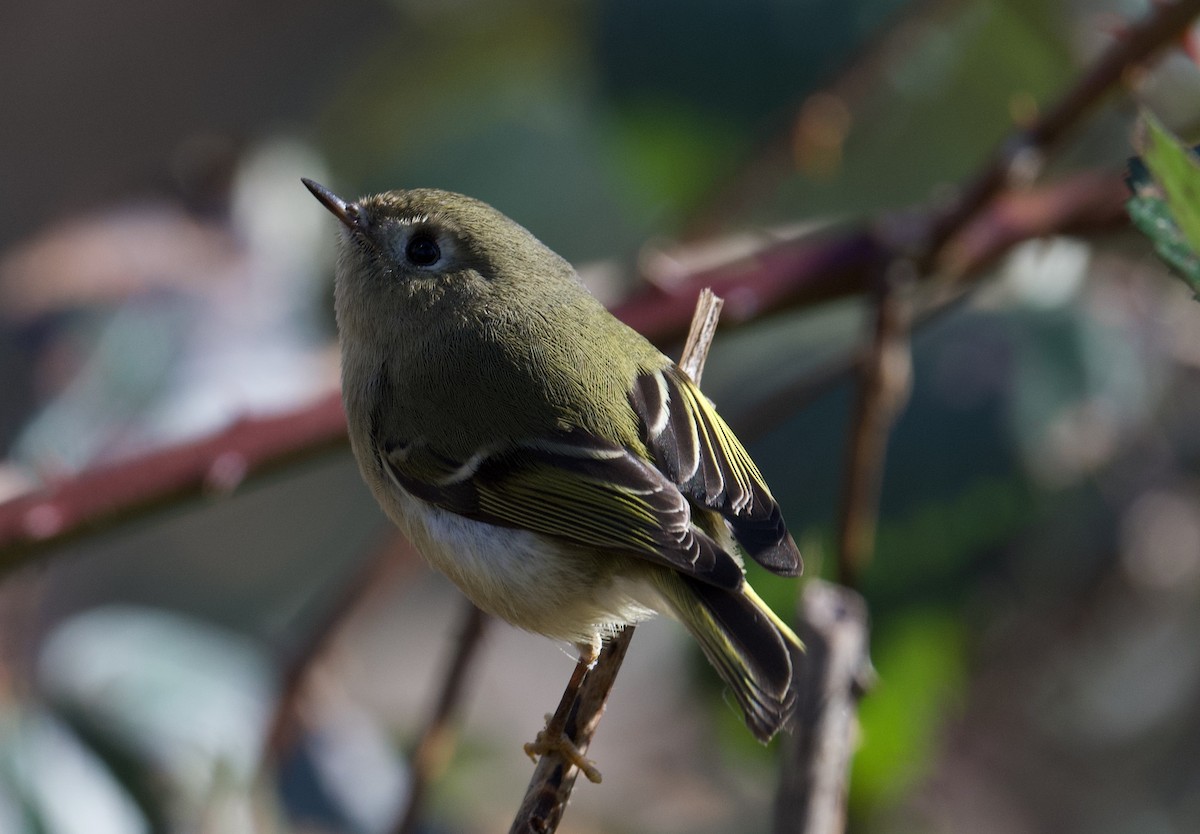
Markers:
(574, 487)
(699, 453)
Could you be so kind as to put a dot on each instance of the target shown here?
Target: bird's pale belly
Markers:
(527, 579)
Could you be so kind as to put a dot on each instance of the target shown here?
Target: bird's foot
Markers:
(552, 740)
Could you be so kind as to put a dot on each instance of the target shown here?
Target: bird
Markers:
(562, 471)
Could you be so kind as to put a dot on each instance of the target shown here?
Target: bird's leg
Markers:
(553, 738)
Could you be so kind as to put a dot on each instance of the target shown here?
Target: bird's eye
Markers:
(422, 250)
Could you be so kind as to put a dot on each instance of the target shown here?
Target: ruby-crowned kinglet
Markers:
(564, 473)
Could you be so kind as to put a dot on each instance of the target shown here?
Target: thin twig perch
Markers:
(883, 389)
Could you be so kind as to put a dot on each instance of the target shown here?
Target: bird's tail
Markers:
(749, 646)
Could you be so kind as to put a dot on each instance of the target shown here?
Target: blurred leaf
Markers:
(1166, 201)
(920, 660)
(51, 783)
(932, 548)
(142, 782)
(937, 102)
(670, 153)
(1177, 171)
(17, 804)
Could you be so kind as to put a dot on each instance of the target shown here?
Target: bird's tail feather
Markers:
(750, 647)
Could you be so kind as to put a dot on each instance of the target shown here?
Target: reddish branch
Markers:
(1081, 204)
(832, 265)
(801, 272)
(1088, 202)
(216, 465)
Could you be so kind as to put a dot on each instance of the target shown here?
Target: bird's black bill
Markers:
(349, 213)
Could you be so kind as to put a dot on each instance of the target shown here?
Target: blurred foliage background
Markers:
(1036, 588)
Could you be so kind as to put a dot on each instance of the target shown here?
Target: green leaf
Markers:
(1153, 219)
(921, 658)
(1176, 169)
(1166, 203)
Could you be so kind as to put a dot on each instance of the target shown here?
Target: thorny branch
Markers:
(554, 778)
